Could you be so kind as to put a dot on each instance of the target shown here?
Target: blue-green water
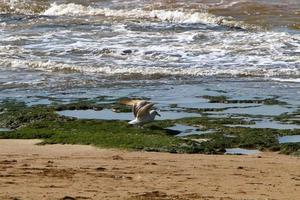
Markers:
(171, 53)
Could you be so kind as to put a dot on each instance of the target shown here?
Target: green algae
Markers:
(19, 115)
(203, 111)
(11, 105)
(226, 100)
(242, 137)
(289, 117)
(290, 149)
(216, 99)
(212, 123)
(43, 122)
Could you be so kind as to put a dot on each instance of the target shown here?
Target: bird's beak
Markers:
(158, 114)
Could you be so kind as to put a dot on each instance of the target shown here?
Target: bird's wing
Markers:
(130, 102)
(144, 110)
(137, 106)
(135, 103)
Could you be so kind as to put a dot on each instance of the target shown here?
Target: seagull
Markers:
(142, 113)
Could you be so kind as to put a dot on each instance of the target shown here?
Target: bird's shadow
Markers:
(165, 130)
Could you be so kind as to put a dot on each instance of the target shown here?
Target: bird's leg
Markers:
(141, 126)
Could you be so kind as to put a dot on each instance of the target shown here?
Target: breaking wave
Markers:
(173, 16)
(288, 80)
(196, 71)
(140, 48)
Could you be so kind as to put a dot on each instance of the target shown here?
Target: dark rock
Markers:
(100, 169)
(68, 198)
(126, 52)
(117, 157)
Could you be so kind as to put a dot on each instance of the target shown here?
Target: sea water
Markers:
(170, 52)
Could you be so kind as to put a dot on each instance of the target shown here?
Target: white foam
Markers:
(193, 52)
(174, 16)
(184, 17)
(71, 9)
(291, 80)
(52, 66)
(227, 4)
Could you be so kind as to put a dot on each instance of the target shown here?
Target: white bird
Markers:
(142, 113)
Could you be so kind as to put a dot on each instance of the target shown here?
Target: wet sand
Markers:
(29, 171)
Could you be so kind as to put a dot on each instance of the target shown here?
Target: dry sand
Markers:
(29, 171)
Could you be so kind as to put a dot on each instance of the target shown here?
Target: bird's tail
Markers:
(135, 121)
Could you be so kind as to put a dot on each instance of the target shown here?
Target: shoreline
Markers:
(29, 171)
(92, 122)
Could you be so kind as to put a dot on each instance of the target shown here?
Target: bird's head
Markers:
(156, 113)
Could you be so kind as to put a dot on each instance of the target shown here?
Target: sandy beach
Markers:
(29, 171)
(220, 76)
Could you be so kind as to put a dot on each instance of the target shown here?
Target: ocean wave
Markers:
(289, 80)
(172, 16)
(72, 9)
(194, 71)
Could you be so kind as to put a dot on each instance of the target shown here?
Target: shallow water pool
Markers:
(185, 130)
(107, 114)
(238, 151)
(289, 139)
